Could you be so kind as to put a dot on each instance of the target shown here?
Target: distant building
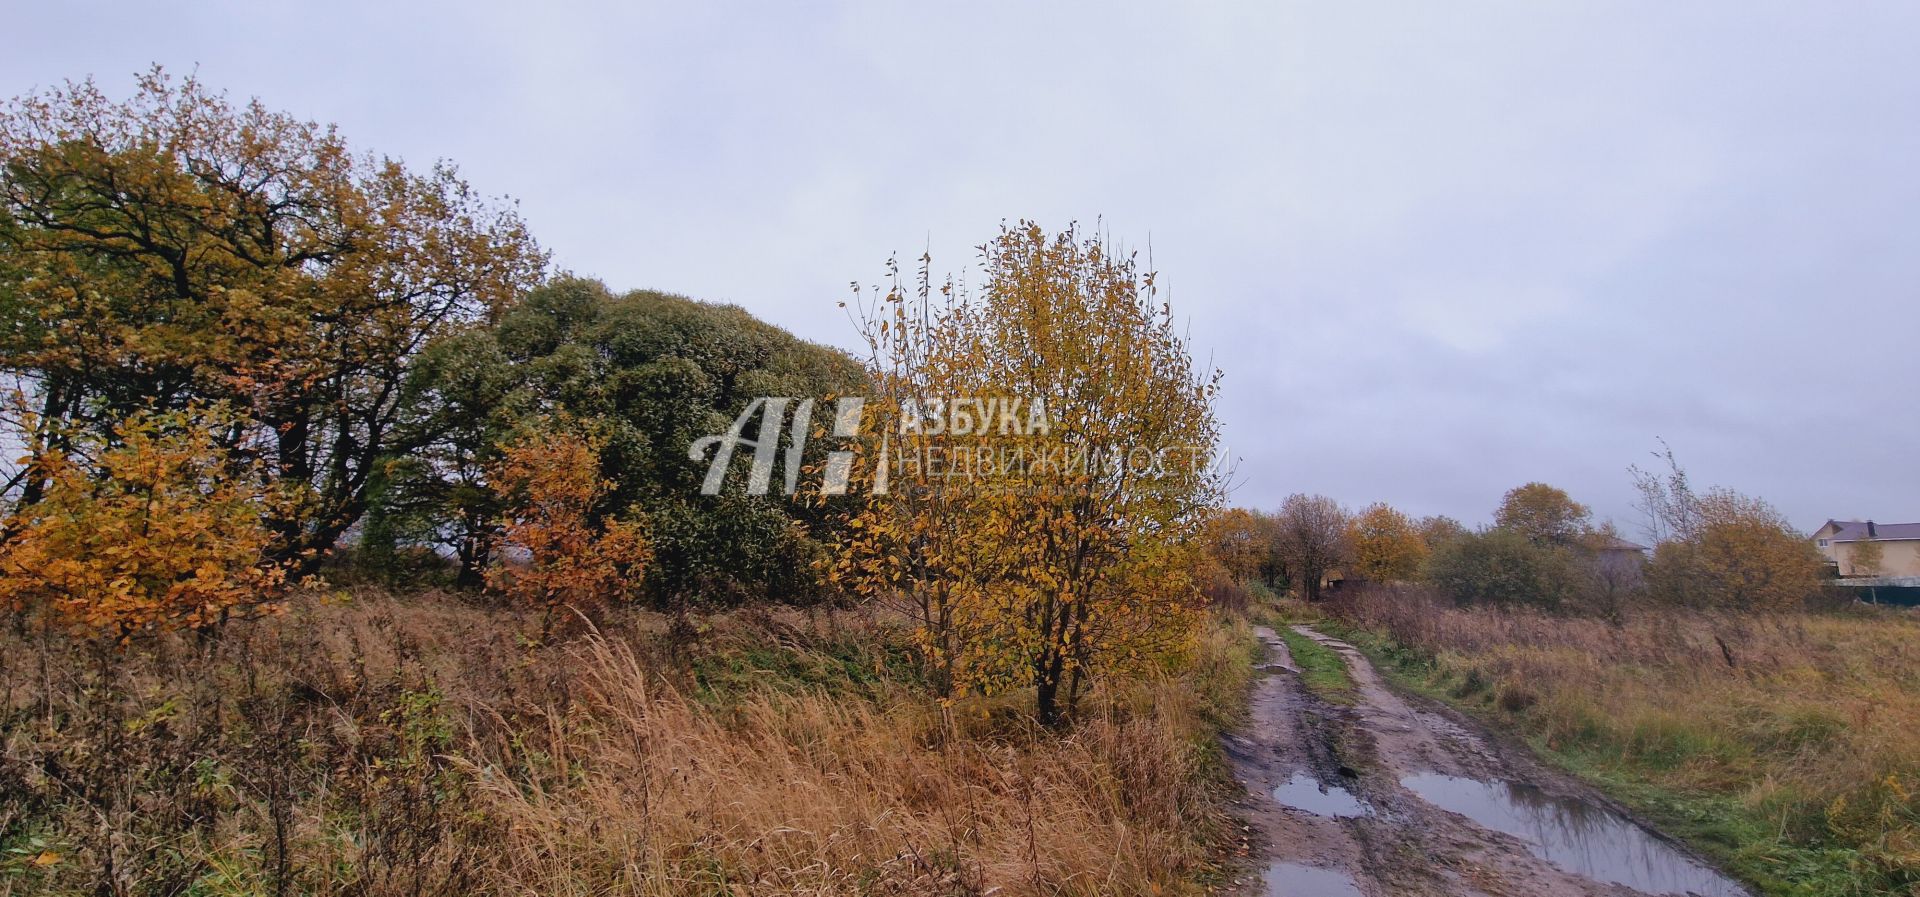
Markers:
(1619, 564)
(1899, 546)
(1609, 547)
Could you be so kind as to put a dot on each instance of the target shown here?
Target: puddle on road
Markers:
(1574, 835)
(1295, 880)
(1304, 792)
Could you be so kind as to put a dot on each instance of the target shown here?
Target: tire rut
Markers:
(1361, 788)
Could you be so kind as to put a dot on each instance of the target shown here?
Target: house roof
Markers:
(1855, 530)
(1615, 543)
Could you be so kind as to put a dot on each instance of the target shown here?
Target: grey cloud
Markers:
(1440, 249)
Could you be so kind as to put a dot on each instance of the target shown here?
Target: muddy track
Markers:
(1397, 795)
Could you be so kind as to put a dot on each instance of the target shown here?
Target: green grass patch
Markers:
(1280, 611)
(865, 665)
(1745, 842)
(1324, 671)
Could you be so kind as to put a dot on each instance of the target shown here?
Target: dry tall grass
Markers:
(1807, 722)
(388, 746)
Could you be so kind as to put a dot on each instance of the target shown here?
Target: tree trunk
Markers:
(475, 549)
(1046, 681)
(52, 414)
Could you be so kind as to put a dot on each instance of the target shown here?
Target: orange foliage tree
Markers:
(1387, 545)
(1036, 555)
(1736, 552)
(562, 547)
(1545, 514)
(1242, 542)
(158, 530)
(176, 249)
(1722, 548)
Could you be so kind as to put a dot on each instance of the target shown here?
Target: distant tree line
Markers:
(1543, 550)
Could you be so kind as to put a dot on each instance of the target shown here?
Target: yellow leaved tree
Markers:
(1047, 458)
(1721, 548)
(175, 248)
(1241, 542)
(1387, 545)
(1738, 553)
(562, 547)
(1546, 515)
(156, 529)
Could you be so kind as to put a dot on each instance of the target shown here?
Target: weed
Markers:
(385, 746)
(1795, 762)
(1323, 670)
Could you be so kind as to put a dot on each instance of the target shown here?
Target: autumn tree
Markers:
(1667, 499)
(1073, 549)
(1311, 532)
(1866, 558)
(1387, 545)
(1739, 553)
(563, 547)
(1720, 548)
(152, 528)
(1617, 573)
(1241, 541)
(1544, 514)
(174, 250)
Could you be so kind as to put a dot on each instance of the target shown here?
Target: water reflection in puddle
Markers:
(1295, 880)
(1574, 835)
(1304, 792)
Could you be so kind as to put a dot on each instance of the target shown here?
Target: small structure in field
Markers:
(1613, 549)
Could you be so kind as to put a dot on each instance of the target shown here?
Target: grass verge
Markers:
(1323, 670)
(389, 745)
(1782, 745)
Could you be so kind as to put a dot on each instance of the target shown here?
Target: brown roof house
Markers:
(1899, 544)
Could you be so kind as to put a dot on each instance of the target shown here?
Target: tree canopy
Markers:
(651, 373)
(1387, 544)
(374, 336)
(1544, 514)
(1083, 556)
(1314, 540)
(175, 249)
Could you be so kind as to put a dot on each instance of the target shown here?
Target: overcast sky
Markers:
(1439, 249)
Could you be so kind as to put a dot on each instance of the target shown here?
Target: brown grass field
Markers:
(375, 745)
(1788, 743)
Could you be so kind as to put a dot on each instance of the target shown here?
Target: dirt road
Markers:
(1399, 796)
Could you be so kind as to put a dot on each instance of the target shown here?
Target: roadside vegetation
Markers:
(1323, 670)
(370, 744)
(351, 550)
(1714, 686)
(1781, 743)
